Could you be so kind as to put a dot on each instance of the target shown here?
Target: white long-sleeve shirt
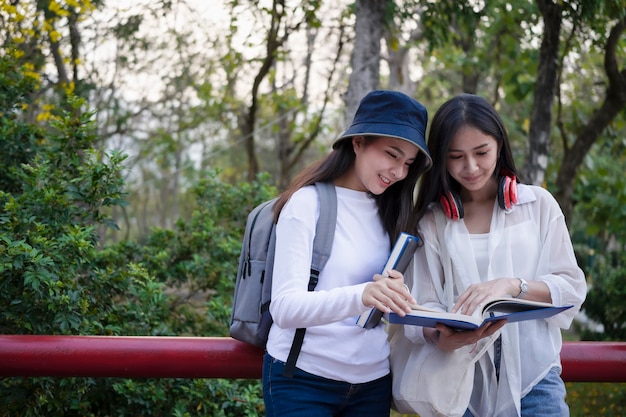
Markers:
(531, 241)
(334, 346)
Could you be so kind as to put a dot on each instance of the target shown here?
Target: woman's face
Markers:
(380, 162)
(472, 158)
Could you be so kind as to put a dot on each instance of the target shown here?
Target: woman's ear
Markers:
(358, 142)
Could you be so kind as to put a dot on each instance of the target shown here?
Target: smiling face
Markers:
(379, 163)
(472, 160)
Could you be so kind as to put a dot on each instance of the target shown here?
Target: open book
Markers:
(399, 259)
(511, 309)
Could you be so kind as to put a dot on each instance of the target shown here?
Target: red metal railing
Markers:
(218, 357)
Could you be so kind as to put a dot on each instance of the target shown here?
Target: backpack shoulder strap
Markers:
(325, 228)
(322, 246)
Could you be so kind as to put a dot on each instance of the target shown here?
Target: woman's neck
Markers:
(478, 208)
(486, 194)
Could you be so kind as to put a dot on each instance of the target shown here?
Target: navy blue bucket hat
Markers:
(393, 114)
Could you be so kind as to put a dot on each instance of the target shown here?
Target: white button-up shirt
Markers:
(530, 241)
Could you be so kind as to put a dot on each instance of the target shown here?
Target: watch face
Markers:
(523, 288)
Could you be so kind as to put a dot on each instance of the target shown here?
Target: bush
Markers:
(605, 298)
(55, 190)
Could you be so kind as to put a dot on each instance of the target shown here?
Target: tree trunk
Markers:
(398, 55)
(534, 168)
(273, 42)
(297, 148)
(399, 79)
(365, 61)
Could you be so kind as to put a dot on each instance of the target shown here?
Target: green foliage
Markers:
(596, 399)
(35, 397)
(18, 141)
(197, 263)
(180, 397)
(605, 298)
(126, 300)
(197, 260)
(56, 281)
(600, 196)
(48, 246)
(48, 233)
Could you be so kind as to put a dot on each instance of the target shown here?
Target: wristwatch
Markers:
(523, 288)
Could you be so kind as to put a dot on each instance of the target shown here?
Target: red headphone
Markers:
(507, 197)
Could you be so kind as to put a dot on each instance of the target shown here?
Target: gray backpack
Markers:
(250, 319)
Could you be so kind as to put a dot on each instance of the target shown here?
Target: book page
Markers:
(513, 305)
(444, 317)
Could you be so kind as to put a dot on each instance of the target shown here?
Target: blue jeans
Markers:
(313, 396)
(547, 398)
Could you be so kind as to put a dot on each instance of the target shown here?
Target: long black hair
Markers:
(395, 205)
(459, 111)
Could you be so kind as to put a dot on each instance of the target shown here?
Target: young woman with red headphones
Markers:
(501, 238)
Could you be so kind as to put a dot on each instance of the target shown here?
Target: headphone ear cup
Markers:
(452, 206)
(507, 192)
(445, 206)
(513, 190)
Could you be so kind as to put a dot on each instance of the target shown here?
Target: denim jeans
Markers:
(547, 398)
(313, 396)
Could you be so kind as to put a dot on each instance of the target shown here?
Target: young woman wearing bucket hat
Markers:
(343, 369)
